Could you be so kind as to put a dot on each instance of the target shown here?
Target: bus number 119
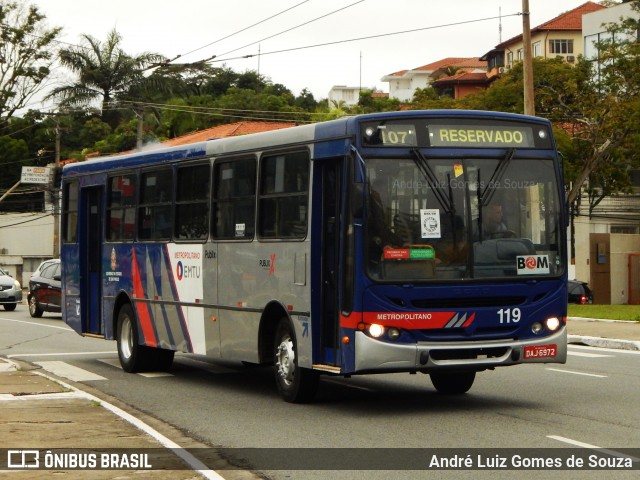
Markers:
(509, 315)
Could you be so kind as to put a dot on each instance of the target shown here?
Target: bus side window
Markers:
(284, 196)
(70, 212)
(234, 199)
(121, 210)
(192, 203)
(154, 212)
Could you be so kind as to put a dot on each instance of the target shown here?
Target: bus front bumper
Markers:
(373, 355)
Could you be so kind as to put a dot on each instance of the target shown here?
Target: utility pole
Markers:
(140, 130)
(55, 194)
(529, 105)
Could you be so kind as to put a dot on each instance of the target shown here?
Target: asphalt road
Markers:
(593, 400)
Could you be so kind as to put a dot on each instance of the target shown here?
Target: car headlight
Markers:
(16, 284)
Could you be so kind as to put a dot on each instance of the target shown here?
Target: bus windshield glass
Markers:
(462, 218)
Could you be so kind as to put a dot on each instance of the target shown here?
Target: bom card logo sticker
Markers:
(532, 264)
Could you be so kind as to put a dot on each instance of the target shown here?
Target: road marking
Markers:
(60, 354)
(589, 355)
(66, 328)
(114, 362)
(348, 385)
(609, 350)
(577, 373)
(592, 447)
(65, 370)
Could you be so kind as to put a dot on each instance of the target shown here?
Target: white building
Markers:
(403, 84)
(341, 93)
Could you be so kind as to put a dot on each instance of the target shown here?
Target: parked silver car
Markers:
(10, 291)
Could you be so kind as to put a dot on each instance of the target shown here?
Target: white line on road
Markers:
(58, 354)
(68, 329)
(608, 350)
(65, 370)
(114, 362)
(577, 373)
(589, 355)
(591, 447)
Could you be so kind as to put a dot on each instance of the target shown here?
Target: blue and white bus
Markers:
(417, 241)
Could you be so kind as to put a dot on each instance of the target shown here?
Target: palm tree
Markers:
(104, 72)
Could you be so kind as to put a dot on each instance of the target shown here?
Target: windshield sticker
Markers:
(430, 221)
(533, 264)
(416, 252)
(457, 170)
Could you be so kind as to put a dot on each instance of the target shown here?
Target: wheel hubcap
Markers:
(126, 338)
(285, 360)
(32, 304)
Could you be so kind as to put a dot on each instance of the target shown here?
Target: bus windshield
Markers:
(462, 218)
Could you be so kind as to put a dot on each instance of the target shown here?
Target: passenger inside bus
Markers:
(380, 234)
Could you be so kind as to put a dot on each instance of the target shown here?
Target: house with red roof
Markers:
(560, 36)
(403, 84)
(226, 130)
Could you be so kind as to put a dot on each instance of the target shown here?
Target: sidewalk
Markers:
(618, 334)
(40, 412)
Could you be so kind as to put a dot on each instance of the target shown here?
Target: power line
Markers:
(364, 38)
(242, 30)
(293, 28)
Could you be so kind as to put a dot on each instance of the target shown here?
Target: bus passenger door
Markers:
(91, 260)
(330, 271)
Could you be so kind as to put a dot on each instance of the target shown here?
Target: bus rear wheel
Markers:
(452, 383)
(133, 356)
(295, 384)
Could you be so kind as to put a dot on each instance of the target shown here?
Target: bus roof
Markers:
(304, 134)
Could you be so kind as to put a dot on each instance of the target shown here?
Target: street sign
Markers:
(41, 175)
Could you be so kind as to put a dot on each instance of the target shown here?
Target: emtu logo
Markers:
(179, 270)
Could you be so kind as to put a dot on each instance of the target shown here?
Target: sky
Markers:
(200, 29)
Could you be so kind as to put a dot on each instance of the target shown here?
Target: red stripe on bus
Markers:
(142, 308)
(469, 320)
(406, 320)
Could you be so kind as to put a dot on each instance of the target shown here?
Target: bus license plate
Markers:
(540, 351)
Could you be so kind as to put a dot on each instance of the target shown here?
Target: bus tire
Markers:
(452, 383)
(133, 356)
(295, 384)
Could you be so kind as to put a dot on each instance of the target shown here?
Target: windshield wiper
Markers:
(444, 200)
(487, 193)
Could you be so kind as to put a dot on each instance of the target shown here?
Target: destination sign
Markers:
(481, 136)
(455, 133)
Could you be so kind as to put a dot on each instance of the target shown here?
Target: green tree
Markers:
(606, 106)
(26, 55)
(104, 72)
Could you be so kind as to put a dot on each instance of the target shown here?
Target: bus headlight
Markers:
(393, 333)
(536, 327)
(553, 323)
(375, 330)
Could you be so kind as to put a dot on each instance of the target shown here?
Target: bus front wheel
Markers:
(295, 384)
(133, 356)
(452, 383)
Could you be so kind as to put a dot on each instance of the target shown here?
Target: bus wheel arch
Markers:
(271, 315)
